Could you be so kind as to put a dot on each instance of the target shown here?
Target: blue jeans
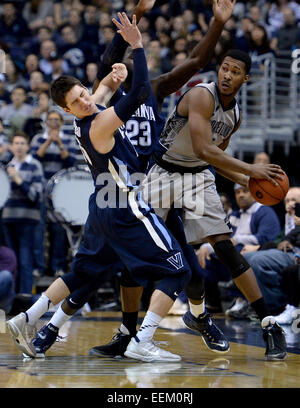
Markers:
(19, 237)
(268, 267)
(7, 292)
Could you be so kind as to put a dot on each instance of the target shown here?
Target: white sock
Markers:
(40, 307)
(196, 310)
(59, 318)
(148, 327)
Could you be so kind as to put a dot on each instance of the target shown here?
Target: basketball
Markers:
(264, 192)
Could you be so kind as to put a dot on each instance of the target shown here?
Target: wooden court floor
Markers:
(67, 364)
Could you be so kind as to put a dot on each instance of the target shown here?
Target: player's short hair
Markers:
(240, 56)
(61, 86)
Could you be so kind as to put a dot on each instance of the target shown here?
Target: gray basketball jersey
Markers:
(175, 140)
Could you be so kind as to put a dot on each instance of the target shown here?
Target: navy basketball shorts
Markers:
(134, 235)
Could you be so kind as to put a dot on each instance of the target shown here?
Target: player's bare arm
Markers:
(198, 105)
(107, 122)
(170, 82)
(109, 85)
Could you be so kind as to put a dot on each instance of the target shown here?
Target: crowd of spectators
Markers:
(43, 39)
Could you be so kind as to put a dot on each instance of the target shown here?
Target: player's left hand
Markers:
(223, 10)
(119, 73)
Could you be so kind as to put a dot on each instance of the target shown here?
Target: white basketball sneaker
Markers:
(147, 351)
(287, 316)
(22, 334)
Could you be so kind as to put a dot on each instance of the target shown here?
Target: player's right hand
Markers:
(119, 72)
(267, 172)
(129, 31)
(223, 10)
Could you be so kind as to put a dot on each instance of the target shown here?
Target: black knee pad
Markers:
(127, 280)
(231, 258)
(195, 288)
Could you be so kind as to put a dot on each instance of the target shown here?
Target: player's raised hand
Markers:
(129, 31)
(223, 10)
(267, 171)
(119, 73)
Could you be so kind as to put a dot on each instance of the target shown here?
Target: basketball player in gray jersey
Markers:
(193, 142)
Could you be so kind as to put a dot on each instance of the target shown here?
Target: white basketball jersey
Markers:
(176, 136)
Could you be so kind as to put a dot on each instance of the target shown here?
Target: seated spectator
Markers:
(75, 22)
(47, 49)
(275, 15)
(270, 272)
(21, 213)
(258, 42)
(37, 85)
(17, 112)
(269, 266)
(43, 107)
(74, 52)
(58, 68)
(243, 34)
(204, 15)
(64, 11)
(90, 24)
(55, 150)
(5, 153)
(8, 273)
(43, 34)
(291, 288)
(90, 75)
(262, 158)
(178, 27)
(4, 94)
(31, 65)
(288, 36)
(13, 28)
(253, 225)
(13, 77)
(35, 11)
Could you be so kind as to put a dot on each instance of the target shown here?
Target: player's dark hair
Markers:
(240, 56)
(61, 86)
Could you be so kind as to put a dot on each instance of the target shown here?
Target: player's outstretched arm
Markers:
(109, 120)
(115, 51)
(201, 135)
(110, 84)
(172, 81)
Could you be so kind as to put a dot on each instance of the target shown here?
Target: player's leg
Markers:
(197, 318)
(131, 293)
(208, 222)
(245, 280)
(23, 326)
(86, 276)
(158, 258)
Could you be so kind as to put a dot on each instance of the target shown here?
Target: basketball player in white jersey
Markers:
(193, 140)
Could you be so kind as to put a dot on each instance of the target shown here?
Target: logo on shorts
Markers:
(176, 260)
